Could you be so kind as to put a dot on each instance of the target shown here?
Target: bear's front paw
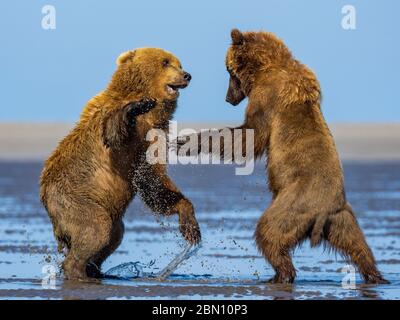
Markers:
(188, 225)
(141, 107)
(190, 229)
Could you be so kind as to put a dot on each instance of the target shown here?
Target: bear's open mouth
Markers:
(174, 88)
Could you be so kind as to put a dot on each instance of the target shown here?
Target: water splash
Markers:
(131, 270)
(173, 265)
(134, 270)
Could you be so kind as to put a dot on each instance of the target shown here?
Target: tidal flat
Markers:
(227, 266)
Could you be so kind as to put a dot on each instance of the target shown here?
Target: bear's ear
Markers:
(237, 37)
(125, 56)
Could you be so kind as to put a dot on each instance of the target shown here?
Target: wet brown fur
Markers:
(304, 171)
(92, 176)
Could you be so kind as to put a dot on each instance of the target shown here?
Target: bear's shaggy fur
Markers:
(305, 175)
(92, 176)
(304, 171)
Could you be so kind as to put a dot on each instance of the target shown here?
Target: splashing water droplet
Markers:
(173, 265)
(130, 270)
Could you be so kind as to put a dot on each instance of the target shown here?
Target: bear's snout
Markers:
(186, 76)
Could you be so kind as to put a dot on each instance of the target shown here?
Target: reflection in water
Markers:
(283, 291)
(368, 291)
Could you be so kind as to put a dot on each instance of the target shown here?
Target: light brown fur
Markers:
(92, 176)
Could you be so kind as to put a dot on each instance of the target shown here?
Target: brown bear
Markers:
(92, 176)
(304, 171)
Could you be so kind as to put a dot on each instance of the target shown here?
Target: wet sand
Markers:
(227, 266)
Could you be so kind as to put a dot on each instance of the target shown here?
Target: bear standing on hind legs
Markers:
(305, 175)
(92, 176)
(304, 171)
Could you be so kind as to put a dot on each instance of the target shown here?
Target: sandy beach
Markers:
(362, 142)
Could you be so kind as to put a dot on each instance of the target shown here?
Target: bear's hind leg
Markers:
(277, 232)
(86, 243)
(344, 234)
(276, 251)
(93, 269)
(74, 268)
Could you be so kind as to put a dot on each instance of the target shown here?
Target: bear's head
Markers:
(149, 72)
(250, 54)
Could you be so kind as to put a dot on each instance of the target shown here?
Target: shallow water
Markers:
(227, 266)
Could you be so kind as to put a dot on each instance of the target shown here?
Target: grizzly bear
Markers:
(304, 171)
(92, 176)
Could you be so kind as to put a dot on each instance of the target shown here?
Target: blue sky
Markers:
(48, 75)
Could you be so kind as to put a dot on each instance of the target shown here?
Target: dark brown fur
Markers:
(304, 171)
(92, 176)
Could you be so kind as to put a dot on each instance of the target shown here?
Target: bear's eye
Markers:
(165, 62)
